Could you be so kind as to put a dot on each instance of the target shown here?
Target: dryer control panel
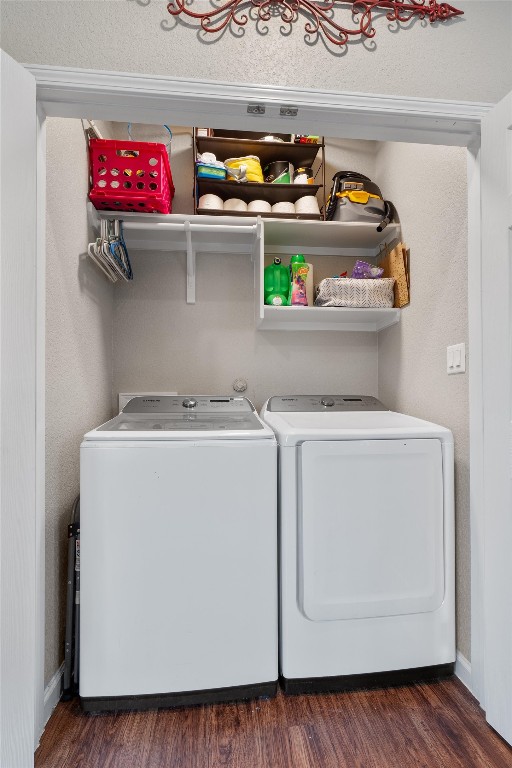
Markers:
(326, 403)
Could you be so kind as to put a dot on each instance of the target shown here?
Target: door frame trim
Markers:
(71, 92)
(40, 718)
(67, 92)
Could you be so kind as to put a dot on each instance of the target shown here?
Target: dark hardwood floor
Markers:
(438, 725)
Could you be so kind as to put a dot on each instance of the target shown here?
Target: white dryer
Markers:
(178, 555)
(366, 544)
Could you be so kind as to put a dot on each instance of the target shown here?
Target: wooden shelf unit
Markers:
(267, 151)
(239, 145)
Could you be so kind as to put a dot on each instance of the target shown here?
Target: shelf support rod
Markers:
(155, 226)
(258, 233)
(191, 266)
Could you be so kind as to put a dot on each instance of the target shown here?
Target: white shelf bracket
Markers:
(258, 234)
(191, 266)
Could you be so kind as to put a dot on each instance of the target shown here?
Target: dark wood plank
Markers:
(437, 725)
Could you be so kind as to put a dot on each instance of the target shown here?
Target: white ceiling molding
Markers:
(69, 92)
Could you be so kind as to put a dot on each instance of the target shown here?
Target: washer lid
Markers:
(184, 418)
(296, 428)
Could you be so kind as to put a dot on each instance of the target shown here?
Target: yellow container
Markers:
(252, 165)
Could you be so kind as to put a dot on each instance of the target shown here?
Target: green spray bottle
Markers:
(276, 284)
(299, 270)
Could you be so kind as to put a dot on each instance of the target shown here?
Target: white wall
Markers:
(78, 356)
(468, 58)
(143, 336)
(429, 187)
(163, 344)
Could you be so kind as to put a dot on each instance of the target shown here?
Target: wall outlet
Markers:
(125, 397)
(456, 358)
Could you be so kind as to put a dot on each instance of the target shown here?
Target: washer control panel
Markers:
(190, 404)
(326, 403)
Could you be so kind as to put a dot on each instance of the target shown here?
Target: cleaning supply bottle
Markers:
(276, 283)
(298, 276)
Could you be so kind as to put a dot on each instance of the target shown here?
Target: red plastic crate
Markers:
(130, 176)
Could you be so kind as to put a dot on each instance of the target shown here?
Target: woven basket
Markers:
(351, 292)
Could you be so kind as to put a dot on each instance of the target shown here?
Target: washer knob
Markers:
(189, 402)
(327, 401)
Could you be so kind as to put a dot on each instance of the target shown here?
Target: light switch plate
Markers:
(456, 358)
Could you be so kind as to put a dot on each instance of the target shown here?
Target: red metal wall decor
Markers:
(320, 14)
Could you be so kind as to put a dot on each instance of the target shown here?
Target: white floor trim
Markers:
(463, 670)
(52, 693)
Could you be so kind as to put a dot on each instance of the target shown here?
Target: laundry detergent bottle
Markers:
(276, 284)
(298, 278)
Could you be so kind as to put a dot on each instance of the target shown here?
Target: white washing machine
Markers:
(366, 544)
(178, 555)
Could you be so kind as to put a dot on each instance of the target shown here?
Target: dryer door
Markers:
(370, 528)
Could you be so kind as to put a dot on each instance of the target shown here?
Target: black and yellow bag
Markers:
(355, 197)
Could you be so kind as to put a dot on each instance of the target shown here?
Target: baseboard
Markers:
(52, 693)
(463, 670)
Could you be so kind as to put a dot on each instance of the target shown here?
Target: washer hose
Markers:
(389, 210)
